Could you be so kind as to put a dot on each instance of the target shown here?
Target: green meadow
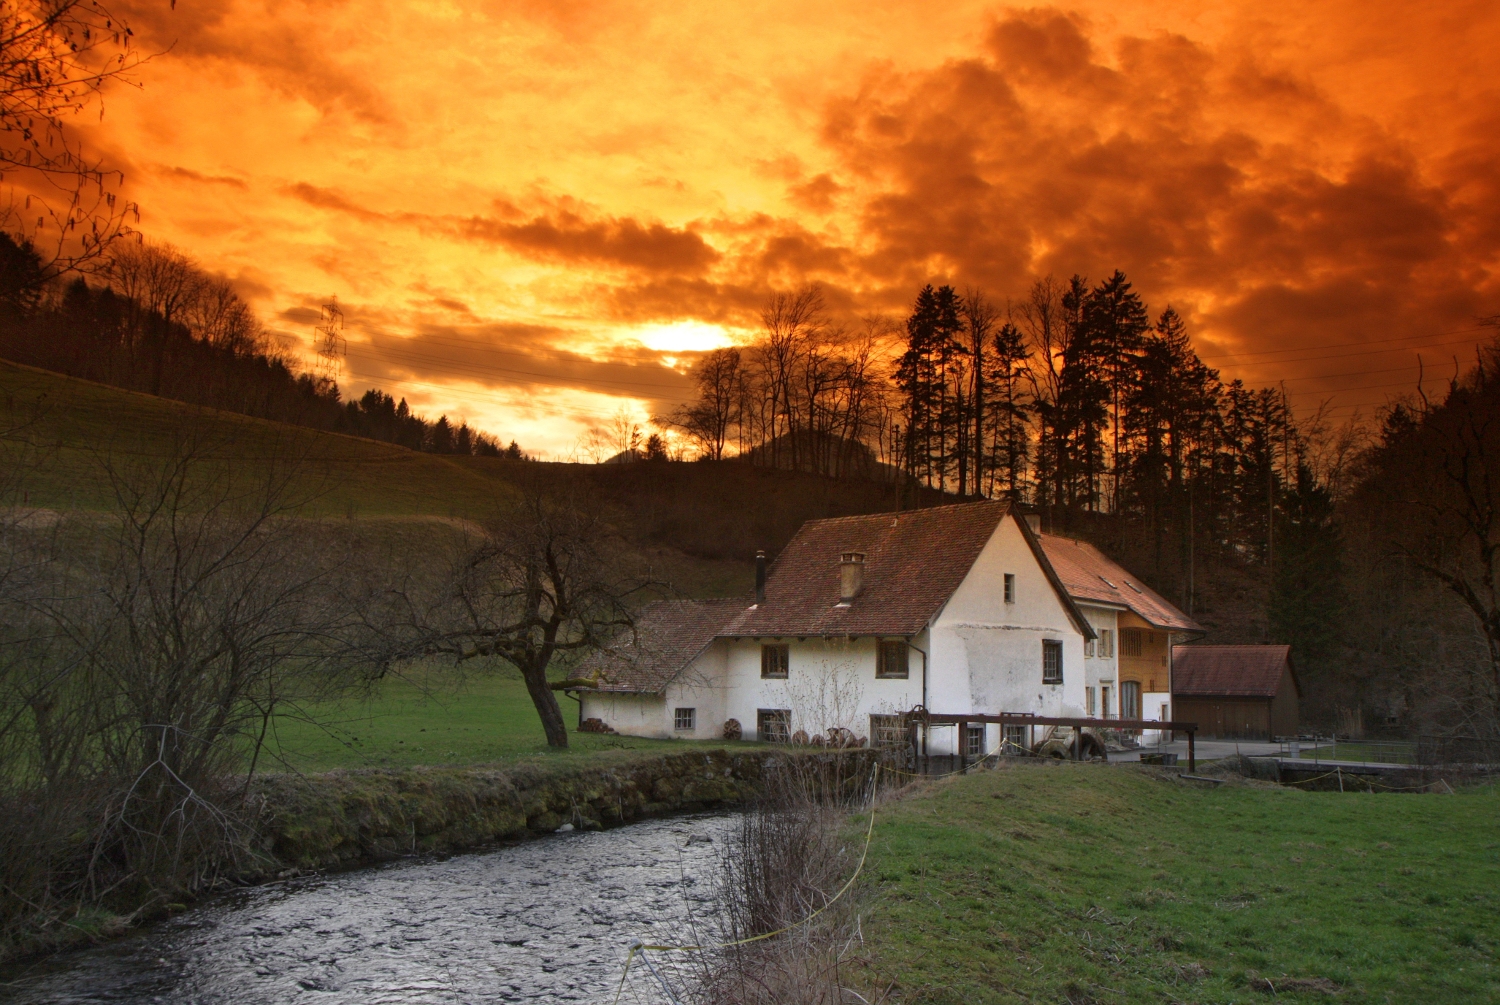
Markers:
(442, 720)
(1092, 884)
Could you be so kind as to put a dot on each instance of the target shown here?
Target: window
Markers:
(774, 660)
(1130, 699)
(1010, 588)
(1051, 661)
(1014, 739)
(887, 731)
(774, 725)
(891, 659)
(685, 718)
(1088, 647)
(1088, 701)
(1130, 641)
(1104, 696)
(974, 741)
(1106, 643)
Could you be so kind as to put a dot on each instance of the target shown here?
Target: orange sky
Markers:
(532, 212)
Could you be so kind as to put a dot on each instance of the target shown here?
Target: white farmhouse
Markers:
(955, 608)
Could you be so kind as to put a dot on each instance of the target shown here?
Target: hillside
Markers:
(698, 524)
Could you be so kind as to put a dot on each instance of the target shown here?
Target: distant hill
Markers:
(698, 523)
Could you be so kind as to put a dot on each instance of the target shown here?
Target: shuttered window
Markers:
(1130, 641)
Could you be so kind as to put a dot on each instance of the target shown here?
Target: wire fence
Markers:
(1424, 751)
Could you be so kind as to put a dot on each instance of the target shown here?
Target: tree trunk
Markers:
(547, 709)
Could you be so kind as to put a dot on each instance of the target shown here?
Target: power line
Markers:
(1335, 345)
(1346, 355)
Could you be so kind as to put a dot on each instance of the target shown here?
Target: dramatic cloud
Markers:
(516, 198)
(1268, 213)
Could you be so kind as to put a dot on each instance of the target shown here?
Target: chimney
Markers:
(1034, 521)
(851, 575)
(760, 578)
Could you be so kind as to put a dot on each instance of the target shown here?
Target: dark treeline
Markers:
(1075, 401)
(1082, 403)
(163, 326)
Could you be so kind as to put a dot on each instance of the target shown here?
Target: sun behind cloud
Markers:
(683, 336)
(605, 190)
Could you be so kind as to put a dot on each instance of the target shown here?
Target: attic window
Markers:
(1137, 589)
(1010, 587)
(1112, 586)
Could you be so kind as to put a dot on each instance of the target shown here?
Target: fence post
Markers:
(1192, 754)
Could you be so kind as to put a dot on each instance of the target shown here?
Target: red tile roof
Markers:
(914, 561)
(668, 636)
(1246, 671)
(1088, 575)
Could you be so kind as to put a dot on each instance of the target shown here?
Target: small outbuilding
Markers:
(1235, 692)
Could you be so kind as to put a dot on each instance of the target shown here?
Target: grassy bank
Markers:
(1082, 883)
(484, 719)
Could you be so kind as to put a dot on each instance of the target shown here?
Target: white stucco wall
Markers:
(631, 714)
(1103, 671)
(1151, 708)
(700, 687)
(829, 682)
(987, 654)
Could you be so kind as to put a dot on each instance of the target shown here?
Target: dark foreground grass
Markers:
(1084, 883)
(482, 720)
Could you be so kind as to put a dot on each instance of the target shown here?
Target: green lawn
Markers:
(485, 719)
(1084, 883)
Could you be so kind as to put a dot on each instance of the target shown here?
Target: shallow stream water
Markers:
(547, 920)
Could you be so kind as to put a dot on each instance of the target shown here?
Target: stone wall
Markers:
(347, 818)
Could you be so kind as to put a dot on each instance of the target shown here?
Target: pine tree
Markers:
(1082, 409)
(1009, 412)
(1307, 604)
(1116, 320)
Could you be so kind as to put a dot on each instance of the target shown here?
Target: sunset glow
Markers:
(525, 206)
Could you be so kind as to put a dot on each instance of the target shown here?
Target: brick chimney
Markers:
(851, 575)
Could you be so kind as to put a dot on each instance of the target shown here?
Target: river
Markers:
(547, 920)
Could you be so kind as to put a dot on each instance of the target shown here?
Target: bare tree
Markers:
(56, 58)
(142, 655)
(708, 420)
(157, 278)
(1433, 488)
(544, 581)
(1041, 319)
